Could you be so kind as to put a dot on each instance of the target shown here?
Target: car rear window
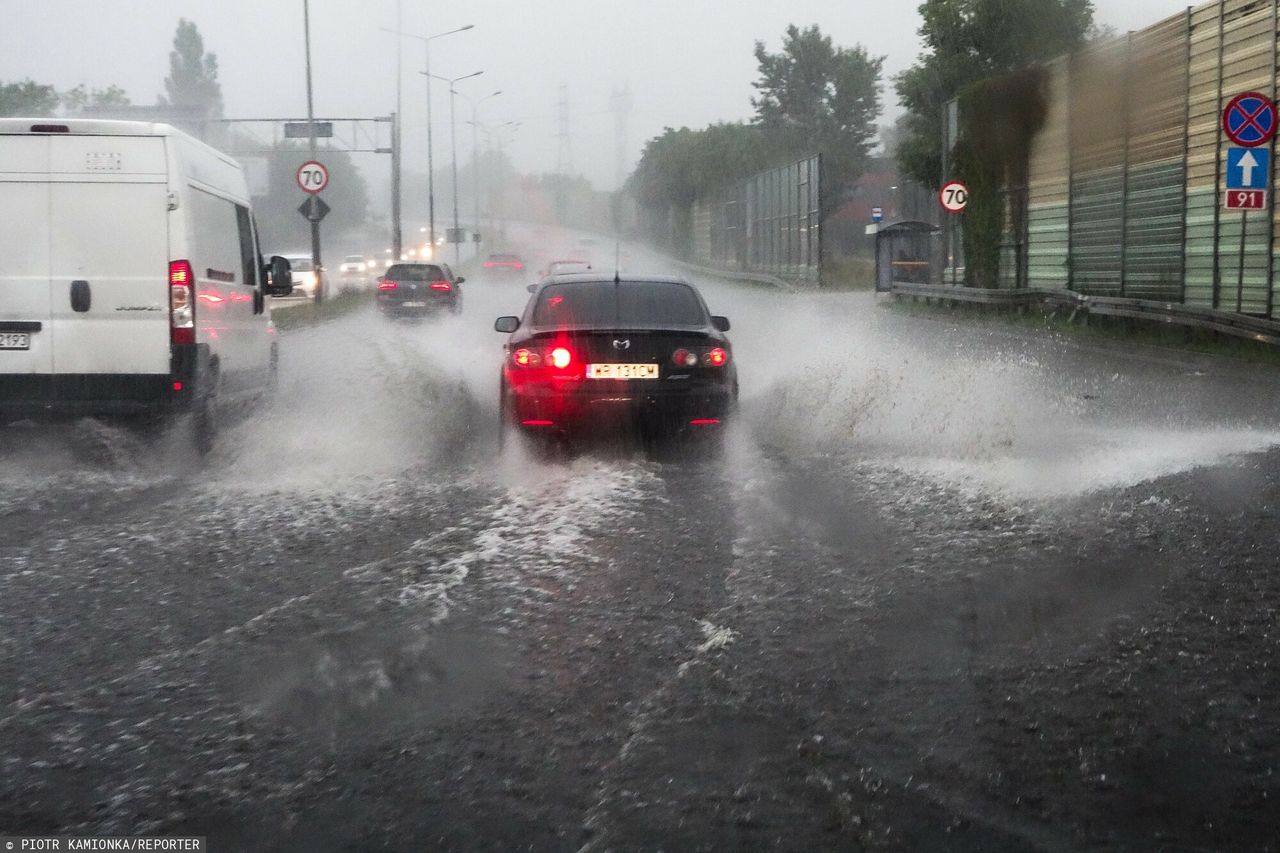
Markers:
(415, 272)
(604, 303)
(353, 259)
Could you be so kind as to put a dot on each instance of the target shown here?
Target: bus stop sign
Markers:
(1250, 119)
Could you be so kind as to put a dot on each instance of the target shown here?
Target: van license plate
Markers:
(15, 340)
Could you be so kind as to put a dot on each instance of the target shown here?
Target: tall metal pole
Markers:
(431, 163)
(453, 135)
(311, 138)
(397, 236)
(475, 174)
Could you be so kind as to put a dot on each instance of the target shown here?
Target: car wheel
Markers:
(204, 425)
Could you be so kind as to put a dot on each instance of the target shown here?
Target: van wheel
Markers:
(204, 425)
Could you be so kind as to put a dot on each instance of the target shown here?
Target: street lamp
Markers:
(475, 155)
(431, 167)
(453, 136)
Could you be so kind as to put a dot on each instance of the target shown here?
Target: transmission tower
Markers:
(621, 103)
(564, 154)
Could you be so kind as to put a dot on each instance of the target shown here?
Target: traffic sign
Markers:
(312, 176)
(314, 208)
(1246, 200)
(954, 196)
(302, 129)
(1250, 119)
(877, 214)
(1248, 168)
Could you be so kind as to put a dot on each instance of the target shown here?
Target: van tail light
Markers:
(388, 285)
(442, 286)
(182, 303)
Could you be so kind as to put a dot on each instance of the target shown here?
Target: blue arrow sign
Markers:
(1248, 168)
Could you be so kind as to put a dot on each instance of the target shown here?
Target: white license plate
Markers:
(413, 305)
(15, 340)
(622, 371)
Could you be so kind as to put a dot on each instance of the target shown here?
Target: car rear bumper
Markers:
(625, 406)
(414, 307)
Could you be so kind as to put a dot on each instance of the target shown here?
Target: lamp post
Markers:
(431, 166)
(453, 136)
(475, 156)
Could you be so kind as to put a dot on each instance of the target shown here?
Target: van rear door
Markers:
(109, 255)
(26, 337)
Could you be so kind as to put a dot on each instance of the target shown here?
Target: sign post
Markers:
(1249, 121)
(954, 196)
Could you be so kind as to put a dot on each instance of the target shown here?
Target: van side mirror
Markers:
(506, 325)
(280, 274)
(721, 323)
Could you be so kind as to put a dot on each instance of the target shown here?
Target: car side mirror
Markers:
(380, 279)
(281, 274)
(459, 280)
(721, 323)
(532, 288)
(506, 325)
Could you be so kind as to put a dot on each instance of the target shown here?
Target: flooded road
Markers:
(949, 587)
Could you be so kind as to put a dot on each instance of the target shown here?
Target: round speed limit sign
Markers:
(954, 196)
(313, 176)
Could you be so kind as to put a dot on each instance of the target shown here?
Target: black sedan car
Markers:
(415, 289)
(595, 355)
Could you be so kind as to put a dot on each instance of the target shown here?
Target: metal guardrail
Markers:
(1166, 313)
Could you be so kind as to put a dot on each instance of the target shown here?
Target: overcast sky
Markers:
(687, 62)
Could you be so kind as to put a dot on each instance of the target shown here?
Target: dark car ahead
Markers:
(415, 289)
(595, 355)
(504, 262)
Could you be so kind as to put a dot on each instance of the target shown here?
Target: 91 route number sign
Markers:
(313, 176)
(954, 196)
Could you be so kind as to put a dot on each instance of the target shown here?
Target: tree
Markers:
(970, 40)
(823, 97)
(79, 99)
(27, 98)
(193, 74)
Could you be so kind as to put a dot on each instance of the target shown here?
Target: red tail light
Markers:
(717, 357)
(489, 265)
(526, 358)
(685, 358)
(704, 422)
(517, 266)
(442, 286)
(560, 358)
(537, 423)
(182, 303)
(388, 285)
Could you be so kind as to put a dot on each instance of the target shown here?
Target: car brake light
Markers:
(717, 357)
(684, 358)
(526, 358)
(517, 265)
(560, 358)
(537, 423)
(182, 303)
(388, 285)
(489, 265)
(704, 422)
(443, 286)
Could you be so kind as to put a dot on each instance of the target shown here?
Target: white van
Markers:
(130, 279)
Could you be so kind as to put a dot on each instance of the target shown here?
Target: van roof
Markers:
(88, 127)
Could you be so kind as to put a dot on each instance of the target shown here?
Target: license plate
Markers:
(15, 340)
(622, 371)
(413, 305)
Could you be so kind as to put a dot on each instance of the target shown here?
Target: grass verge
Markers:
(297, 316)
(846, 274)
(1168, 336)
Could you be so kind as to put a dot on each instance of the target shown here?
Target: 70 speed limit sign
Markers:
(313, 176)
(954, 196)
